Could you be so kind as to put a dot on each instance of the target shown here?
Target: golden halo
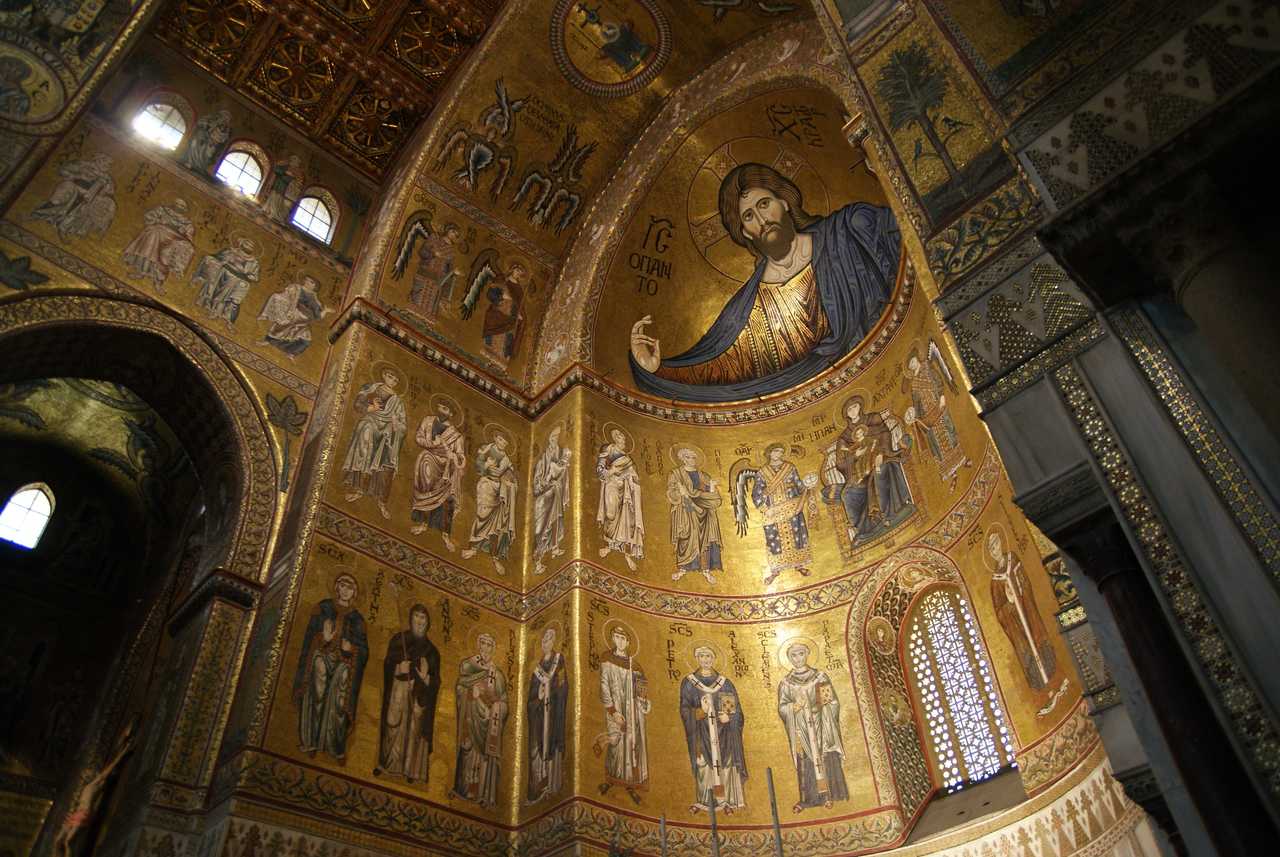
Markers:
(881, 635)
(788, 643)
(381, 367)
(348, 574)
(555, 625)
(606, 432)
(697, 644)
(676, 447)
(483, 633)
(237, 237)
(913, 577)
(562, 424)
(492, 430)
(999, 529)
(703, 201)
(844, 406)
(458, 414)
(633, 647)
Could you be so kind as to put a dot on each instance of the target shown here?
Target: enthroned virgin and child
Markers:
(819, 286)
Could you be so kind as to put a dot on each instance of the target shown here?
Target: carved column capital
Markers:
(1182, 231)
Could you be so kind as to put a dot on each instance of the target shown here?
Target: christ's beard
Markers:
(776, 241)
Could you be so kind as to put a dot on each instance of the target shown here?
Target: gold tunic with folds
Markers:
(786, 322)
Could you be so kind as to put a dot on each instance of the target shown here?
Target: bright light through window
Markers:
(312, 216)
(241, 171)
(26, 515)
(162, 124)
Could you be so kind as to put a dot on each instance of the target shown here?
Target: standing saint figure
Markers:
(83, 201)
(624, 692)
(335, 649)
(550, 499)
(928, 384)
(289, 313)
(781, 495)
(436, 271)
(547, 708)
(410, 685)
(695, 523)
(712, 715)
(810, 712)
(163, 247)
(1016, 609)
(494, 527)
(437, 474)
(373, 455)
(224, 279)
(481, 698)
(211, 133)
(286, 186)
(818, 288)
(618, 514)
(862, 472)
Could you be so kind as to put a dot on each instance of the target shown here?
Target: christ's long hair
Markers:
(746, 176)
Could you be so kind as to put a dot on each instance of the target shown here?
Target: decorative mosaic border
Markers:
(1247, 717)
(1023, 376)
(100, 279)
(987, 275)
(1045, 762)
(1218, 462)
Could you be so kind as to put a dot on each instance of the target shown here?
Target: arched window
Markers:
(967, 733)
(26, 515)
(161, 123)
(240, 170)
(313, 216)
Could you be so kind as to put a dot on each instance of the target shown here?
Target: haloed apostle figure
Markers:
(818, 288)
(437, 474)
(550, 499)
(163, 247)
(335, 649)
(373, 455)
(624, 692)
(695, 524)
(480, 695)
(618, 513)
(224, 279)
(410, 685)
(289, 314)
(83, 201)
(494, 527)
(712, 715)
(548, 711)
(810, 712)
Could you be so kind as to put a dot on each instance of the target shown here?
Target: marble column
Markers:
(1212, 774)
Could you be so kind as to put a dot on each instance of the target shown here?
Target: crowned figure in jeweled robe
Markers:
(712, 714)
(695, 526)
(547, 709)
(927, 381)
(480, 695)
(781, 495)
(326, 686)
(810, 712)
(624, 693)
(818, 288)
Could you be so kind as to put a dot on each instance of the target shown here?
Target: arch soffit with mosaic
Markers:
(790, 55)
(250, 533)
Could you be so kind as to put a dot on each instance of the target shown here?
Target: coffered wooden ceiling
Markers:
(353, 75)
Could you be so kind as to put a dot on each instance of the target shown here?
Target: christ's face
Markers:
(766, 222)
(620, 642)
(798, 655)
(419, 624)
(706, 659)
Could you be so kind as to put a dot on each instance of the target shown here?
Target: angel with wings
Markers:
(782, 497)
(505, 291)
(552, 188)
(438, 251)
(491, 147)
(928, 383)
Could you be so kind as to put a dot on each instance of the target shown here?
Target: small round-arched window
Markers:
(313, 217)
(240, 170)
(162, 124)
(26, 515)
